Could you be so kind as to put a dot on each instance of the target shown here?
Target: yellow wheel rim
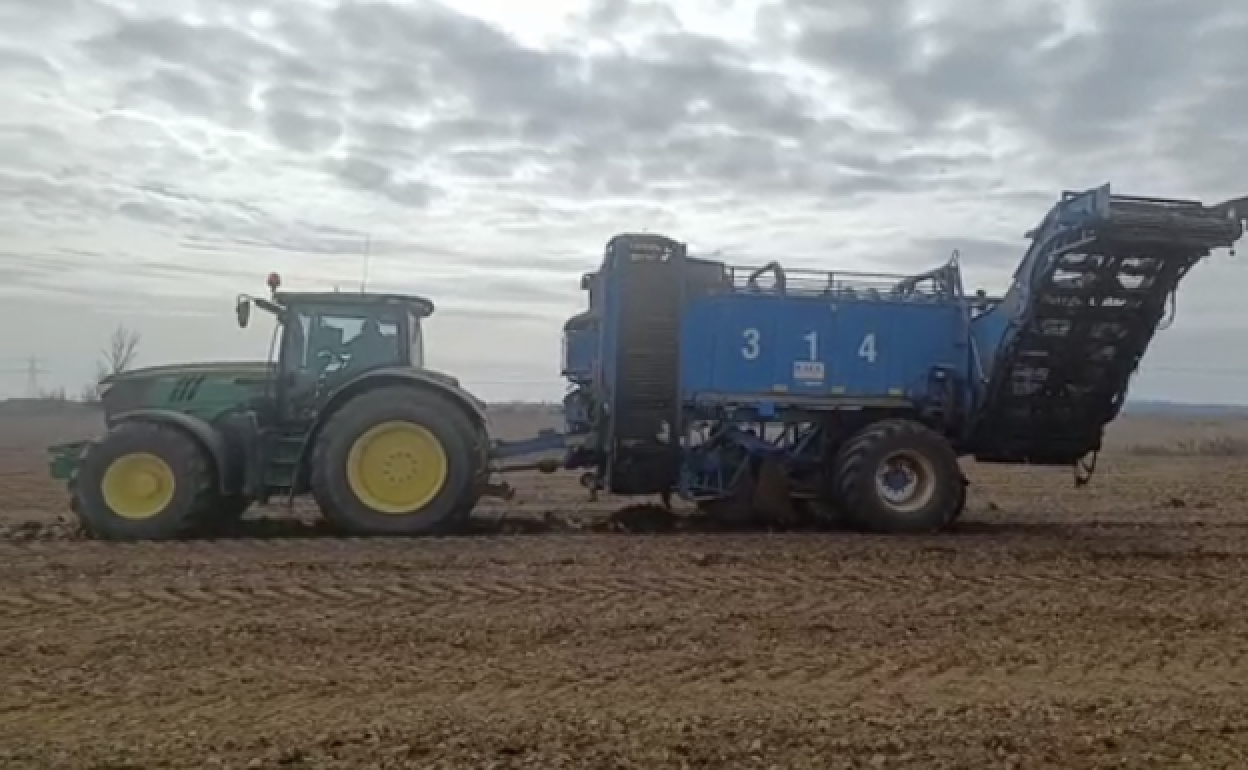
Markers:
(397, 467)
(138, 486)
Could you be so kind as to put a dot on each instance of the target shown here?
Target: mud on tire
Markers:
(939, 490)
(331, 482)
(190, 506)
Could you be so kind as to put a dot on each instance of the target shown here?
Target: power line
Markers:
(32, 369)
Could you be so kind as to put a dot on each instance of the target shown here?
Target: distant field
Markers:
(35, 424)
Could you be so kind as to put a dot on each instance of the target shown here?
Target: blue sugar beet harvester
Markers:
(783, 393)
(755, 393)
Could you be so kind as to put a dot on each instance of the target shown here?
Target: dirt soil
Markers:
(1056, 628)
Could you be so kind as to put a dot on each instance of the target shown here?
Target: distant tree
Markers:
(53, 394)
(122, 350)
(117, 357)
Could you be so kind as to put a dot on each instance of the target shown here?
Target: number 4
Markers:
(867, 348)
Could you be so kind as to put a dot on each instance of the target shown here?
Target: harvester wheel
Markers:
(144, 481)
(961, 504)
(899, 476)
(395, 461)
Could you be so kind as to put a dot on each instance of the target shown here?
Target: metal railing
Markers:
(775, 279)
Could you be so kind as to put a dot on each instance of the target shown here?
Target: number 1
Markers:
(812, 344)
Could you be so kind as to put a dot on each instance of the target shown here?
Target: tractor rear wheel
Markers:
(395, 461)
(144, 481)
(469, 504)
(470, 501)
(899, 476)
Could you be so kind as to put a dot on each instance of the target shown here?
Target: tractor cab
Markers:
(326, 339)
(329, 332)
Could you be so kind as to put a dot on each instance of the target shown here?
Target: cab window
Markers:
(416, 351)
(337, 340)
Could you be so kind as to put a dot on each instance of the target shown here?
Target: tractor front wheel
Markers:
(899, 476)
(144, 481)
(395, 461)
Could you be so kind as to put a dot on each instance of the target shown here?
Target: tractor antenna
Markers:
(368, 252)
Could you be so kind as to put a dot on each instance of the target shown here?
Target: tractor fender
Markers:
(202, 432)
(433, 381)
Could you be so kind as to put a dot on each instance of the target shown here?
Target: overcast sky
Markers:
(156, 158)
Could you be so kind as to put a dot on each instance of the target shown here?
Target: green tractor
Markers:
(345, 411)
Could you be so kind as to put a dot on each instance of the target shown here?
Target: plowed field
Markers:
(1062, 628)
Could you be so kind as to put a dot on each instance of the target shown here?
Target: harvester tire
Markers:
(144, 481)
(932, 489)
(395, 461)
(961, 504)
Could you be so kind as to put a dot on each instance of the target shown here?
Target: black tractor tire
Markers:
(449, 427)
(466, 506)
(190, 506)
(939, 487)
(473, 499)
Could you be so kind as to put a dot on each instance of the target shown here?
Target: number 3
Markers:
(751, 349)
(867, 348)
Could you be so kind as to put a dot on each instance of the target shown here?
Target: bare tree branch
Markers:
(122, 350)
(117, 357)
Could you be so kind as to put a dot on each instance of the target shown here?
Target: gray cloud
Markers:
(190, 93)
(1136, 74)
(195, 146)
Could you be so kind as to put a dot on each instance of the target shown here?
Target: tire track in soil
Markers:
(771, 660)
(939, 586)
(884, 680)
(880, 682)
(232, 638)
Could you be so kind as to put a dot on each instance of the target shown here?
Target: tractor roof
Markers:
(420, 306)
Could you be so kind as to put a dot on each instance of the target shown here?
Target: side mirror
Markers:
(242, 311)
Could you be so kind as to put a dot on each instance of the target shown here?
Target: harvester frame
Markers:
(851, 398)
